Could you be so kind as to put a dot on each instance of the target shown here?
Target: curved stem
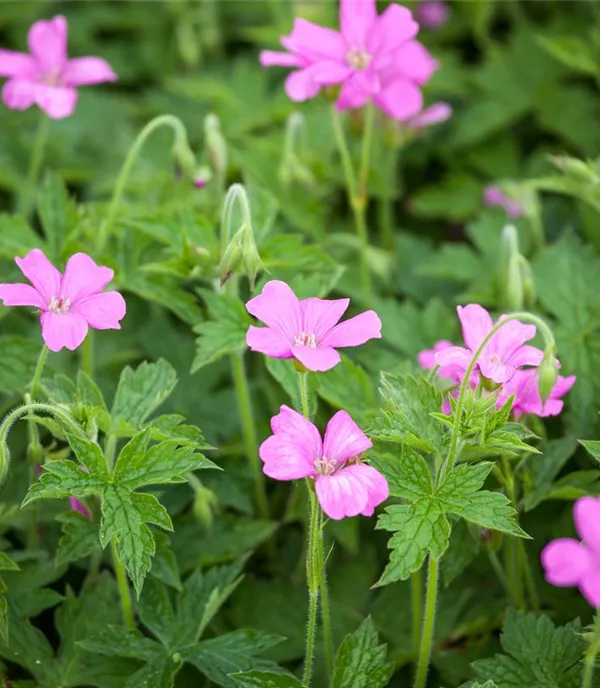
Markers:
(123, 585)
(588, 671)
(12, 417)
(27, 198)
(180, 139)
(236, 195)
(416, 594)
(529, 582)
(428, 624)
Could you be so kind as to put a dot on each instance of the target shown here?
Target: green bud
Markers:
(529, 293)
(232, 258)
(184, 157)
(4, 460)
(36, 454)
(204, 503)
(509, 246)
(491, 539)
(216, 144)
(250, 258)
(547, 374)
(515, 295)
(575, 168)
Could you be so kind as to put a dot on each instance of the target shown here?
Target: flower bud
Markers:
(36, 454)
(185, 160)
(547, 374)
(574, 168)
(232, 258)
(491, 539)
(529, 293)
(292, 167)
(251, 258)
(515, 296)
(241, 253)
(216, 144)
(202, 177)
(4, 460)
(203, 505)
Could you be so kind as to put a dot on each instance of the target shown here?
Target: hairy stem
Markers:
(426, 645)
(124, 591)
(416, 594)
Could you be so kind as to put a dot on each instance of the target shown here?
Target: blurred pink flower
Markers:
(524, 386)
(46, 77)
(79, 507)
(307, 330)
(568, 562)
(372, 57)
(434, 114)
(501, 356)
(433, 13)
(494, 196)
(427, 361)
(344, 485)
(69, 303)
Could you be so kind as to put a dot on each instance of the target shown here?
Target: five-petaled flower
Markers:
(345, 486)
(568, 562)
(527, 401)
(46, 77)
(69, 303)
(306, 330)
(372, 57)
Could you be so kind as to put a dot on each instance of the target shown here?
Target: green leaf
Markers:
(593, 448)
(225, 333)
(543, 471)
(360, 661)
(571, 51)
(17, 237)
(282, 370)
(164, 564)
(56, 214)
(143, 390)
(79, 538)
(462, 550)
(408, 475)
(347, 386)
(265, 679)
(19, 357)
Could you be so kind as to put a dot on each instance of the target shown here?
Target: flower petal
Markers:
(476, 323)
(275, 58)
(307, 82)
(21, 295)
(278, 307)
(321, 315)
(85, 71)
(426, 358)
(102, 311)
(413, 61)
(314, 42)
(269, 342)
(342, 494)
(57, 102)
(17, 64)
(318, 359)
(434, 114)
(453, 356)
(83, 278)
(376, 485)
(586, 514)
(344, 440)
(19, 94)
(357, 18)
(61, 330)
(79, 507)
(566, 561)
(354, 331)
(48, 43)
(400, 99)
(509, 339)
(41, 273)
(589, 586)
(350, 96)
(394, 27)
(526, 356)
(305, 433)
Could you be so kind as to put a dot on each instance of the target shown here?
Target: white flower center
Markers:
(324, 466)
(53, 77)
(494, 359)
(59, 305)
(358, 58)
(307, 340)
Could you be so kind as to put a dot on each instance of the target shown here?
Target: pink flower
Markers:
(345, 486)
(433, 13)
(427, 361)
(494, 196)
(568, 562)
(69, 303)
(306, 330)
(372, 57)
(434, 114)
(46, 77)
(79, 507)
(524, 386)
(502, 356)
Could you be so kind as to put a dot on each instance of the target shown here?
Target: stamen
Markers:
(324, 466)
(358, 58)
(59, 305)
(307, 340)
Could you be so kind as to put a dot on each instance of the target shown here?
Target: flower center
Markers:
(307, 340)
(52, 78)
(494, 359)
(59, 305)
(358, 58)
(324, 466)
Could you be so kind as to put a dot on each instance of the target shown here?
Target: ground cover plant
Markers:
(300, 336)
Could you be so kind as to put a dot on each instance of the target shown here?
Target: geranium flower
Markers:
(372, 57)
(69, 303)
(524, 386)
(306, 330)
(502, 356)
(433, 13)
(427, 360)
(46, 77)
(494, 196)
(568, 562)
(344, 485)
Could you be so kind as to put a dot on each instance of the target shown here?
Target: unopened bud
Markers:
(529, 293)
(202, 177)
(185, 160)
(299, 367)
(4, 460)
(251, 258)
(232, 258)
(203, 505)
(514, 284)
(574, 167)
(36, 454)
(292, 168)
(491, 539)
(547, 374)
(216, 144)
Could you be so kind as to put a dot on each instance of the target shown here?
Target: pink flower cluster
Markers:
(308, 330)
(505, 360)
(45, 77)
(372, 58)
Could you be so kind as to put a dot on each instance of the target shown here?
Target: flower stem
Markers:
(312, 579)
(588, 671)
(37, 375)
(325, 613)
(356, 191)
(123, 585)
(249, 431)
(513, 568)
(428, 623)
(27, 197)
(591, 653)
(529, 582)
(416, 594)
(87, 354)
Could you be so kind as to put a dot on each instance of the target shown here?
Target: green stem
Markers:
(499, 571)
(513, 568)
(325, 612)
(38, 406)
(110, 449)
(588, 671)
(416, 594)
(37, 375)
(180, 141)
(529, 582)
(426, 645)
(87, 354)
(356, 198)
(303, 380)
(123, 585)
(385, 215)
(313, 581)
(27, 198)
(365, 156)
(249, 431)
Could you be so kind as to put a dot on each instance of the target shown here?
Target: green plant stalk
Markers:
(416, 596)
(87, 354)
(591, 654)
(426, 645)
(512, 559)
(529, 581)
(27, 197)
(356, 192)
(499, 571)
(123, 585)
(325, 611)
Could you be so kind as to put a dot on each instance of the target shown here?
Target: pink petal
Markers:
(41, 273)
(274, 58)
(351, 97)
(21, 295)
(57, 102)
(526, 356)
(17, 64)
(399, 99)
(476, 323)
(426, 358)
(357, 18)
(376, 485)
(393, 28)
(48, 44)
(454, 356)
(415, 62)
(319, 359)
(315, 43)
(321, 315)
(61, 330)
(589, 587)
(565, 562)
(586, 514)
(304, 84)
(85, 71)
(304, 433)
(562, 386)
(83, 278)
(433, 14)
(344, 440)
(354, 331)
(102, 311)
(19, 94)
(435, 114)
(493, 195)
(269, 342)
(278, 307)
(342, 494)
(79, 507)
(510, 338)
